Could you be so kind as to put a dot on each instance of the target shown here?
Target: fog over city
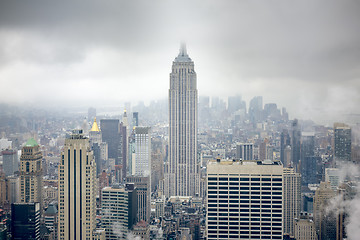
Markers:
(302, 55)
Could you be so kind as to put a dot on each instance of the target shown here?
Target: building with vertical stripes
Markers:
(245, 151)
(77, 183)
(182, 176)
(244, 199)
(292, 199)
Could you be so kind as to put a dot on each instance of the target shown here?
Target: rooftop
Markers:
(95, 127)
(183, 56)
(31, 143)
(244, 162)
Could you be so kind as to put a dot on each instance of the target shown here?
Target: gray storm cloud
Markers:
(303, 55)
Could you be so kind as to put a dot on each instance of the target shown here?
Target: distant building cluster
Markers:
(187, 168)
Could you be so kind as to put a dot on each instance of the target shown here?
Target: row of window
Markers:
(211, 223)
(245, 228)
(246, 232)
(244, 196)
(245, 188)
(245, 192)
(211, 236)
(242, 179)
(244, 183)
(264, 200)
(236, 214)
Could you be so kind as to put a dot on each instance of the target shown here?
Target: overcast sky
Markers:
(303, 55)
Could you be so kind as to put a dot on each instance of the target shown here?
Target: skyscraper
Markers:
(77, 183)
(342, 142)
(324, 225)
(244, 199)
(292, 199)
(110, 135)
(182, 170)
(100, 148)
(142, 185)
(25, 221)
(295, 144)
(10, 162)
(115, 206)
(31, 173)
(256, 109)
(284, 142)
(308, 165)
(142, 162)
(135, 119)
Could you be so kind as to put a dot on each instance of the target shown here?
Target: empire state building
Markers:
(182, 170)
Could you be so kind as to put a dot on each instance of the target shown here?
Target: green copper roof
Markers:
(31, 143)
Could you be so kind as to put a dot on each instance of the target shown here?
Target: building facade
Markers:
(114, 206)
(245, 151)
(182, 170)
(342, 142)
(25, 221)
(77, 186)
(292, 199)
(325, 223)
(142, 162)
(10, 162)
(244, 200)
(31, 173)
(142, 185)
(304, 228)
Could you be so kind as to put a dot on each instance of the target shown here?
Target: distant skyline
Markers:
(302, 55)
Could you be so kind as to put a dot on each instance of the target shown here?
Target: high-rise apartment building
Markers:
(342, 142)
(292, 199)
(182, 170)
(244, 200)
(77, 184)
(31, 173)
(25, 221)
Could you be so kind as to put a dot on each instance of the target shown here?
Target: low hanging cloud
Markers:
(302, 55)
(348, 172)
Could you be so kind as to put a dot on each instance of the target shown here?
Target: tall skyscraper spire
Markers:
(183, 49)
(182, 169)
